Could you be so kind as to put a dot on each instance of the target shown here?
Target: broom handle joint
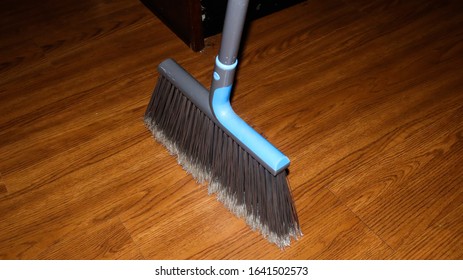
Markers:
(225, 64)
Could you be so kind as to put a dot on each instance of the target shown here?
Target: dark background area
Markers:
(194, 20)
(213, 12)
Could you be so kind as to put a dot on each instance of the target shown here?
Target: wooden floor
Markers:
(365, 97)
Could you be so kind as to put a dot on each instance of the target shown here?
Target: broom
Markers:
(247, 173)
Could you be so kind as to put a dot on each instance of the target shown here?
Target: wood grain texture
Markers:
(365, 97)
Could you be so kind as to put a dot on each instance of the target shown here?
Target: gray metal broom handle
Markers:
(232, 30)
(226, 61)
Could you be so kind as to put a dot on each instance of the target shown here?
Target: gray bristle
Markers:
(212, 157)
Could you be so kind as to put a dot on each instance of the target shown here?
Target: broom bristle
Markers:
(212, 157)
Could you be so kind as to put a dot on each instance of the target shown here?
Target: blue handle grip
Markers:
(244, 133)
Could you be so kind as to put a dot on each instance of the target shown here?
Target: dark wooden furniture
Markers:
(194, 20)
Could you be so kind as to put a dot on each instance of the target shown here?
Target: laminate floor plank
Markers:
(365, 97)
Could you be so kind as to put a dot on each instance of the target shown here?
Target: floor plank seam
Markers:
(131, 238)
(363, 222)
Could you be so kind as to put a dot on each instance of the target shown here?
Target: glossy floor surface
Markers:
(365, 97)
